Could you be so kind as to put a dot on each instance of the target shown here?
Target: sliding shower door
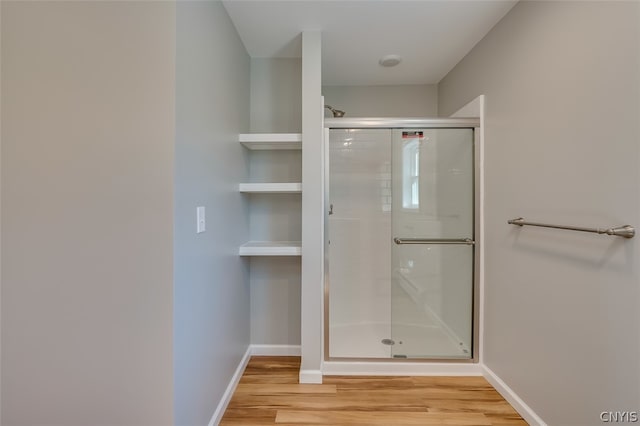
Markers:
(400, 243)
(359, 246)
(432, 250)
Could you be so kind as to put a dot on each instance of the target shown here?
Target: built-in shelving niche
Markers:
(270, 142)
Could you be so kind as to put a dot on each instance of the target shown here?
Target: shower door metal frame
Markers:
(407, 123)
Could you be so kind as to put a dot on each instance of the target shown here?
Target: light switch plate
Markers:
(201, 222)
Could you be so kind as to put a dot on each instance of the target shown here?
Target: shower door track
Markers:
(401, 123)
(406, 123)
(400, 241)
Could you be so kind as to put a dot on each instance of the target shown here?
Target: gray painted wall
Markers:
(276, 106)
(87, 196)
(411, 100)
(276, 95)
(211, 305)
(562, 311)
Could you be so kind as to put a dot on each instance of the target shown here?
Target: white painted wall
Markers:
(410, 100)
(562, 309)
(87, 213)
(211, 294)
(276, 107)
(312, 289)
(0, 218)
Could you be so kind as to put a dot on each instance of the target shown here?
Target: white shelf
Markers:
(271, 248)
(274, 188)
(271, 141)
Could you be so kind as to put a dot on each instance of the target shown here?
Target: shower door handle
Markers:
(467, 241)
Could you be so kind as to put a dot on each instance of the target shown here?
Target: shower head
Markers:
(336, 112)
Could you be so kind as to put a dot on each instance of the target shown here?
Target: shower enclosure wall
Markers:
(400, 234)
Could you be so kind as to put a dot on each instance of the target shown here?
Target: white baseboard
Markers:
(275, 350)
(310, 376)
(520, 406)
(272, 350)
(228, 393)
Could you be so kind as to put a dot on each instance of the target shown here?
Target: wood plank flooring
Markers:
(269, 394)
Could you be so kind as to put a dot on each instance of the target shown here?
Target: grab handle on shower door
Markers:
(467, 241)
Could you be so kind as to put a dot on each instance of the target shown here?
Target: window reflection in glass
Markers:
(411, 174)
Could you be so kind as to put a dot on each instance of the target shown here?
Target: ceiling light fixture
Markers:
(390, 60)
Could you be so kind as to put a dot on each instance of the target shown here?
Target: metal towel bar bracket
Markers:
(625, 231)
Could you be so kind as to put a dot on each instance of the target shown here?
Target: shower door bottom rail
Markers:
(400, 241)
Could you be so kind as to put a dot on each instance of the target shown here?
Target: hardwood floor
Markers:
(269, 394)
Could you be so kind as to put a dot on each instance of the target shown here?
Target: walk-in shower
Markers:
(400, 239)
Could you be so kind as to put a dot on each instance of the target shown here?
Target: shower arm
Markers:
(336, 112)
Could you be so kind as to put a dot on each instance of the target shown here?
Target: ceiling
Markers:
(431, 36)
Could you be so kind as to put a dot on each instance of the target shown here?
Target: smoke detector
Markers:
(390, 60)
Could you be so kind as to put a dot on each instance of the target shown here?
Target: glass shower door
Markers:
(432, 251)
(359, 242)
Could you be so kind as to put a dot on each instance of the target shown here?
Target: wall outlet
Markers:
(200, 220)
